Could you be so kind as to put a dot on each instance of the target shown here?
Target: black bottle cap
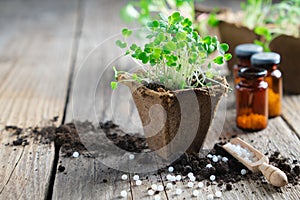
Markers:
(247, 50)
(252, 72)
(265, 58)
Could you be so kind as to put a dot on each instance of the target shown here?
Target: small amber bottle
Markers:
(244, 53)
(270, 61)
(252, 99)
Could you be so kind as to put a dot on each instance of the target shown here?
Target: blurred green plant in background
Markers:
(144, 11)
(271, 20)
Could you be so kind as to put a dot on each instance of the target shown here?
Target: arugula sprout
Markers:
(176, 55)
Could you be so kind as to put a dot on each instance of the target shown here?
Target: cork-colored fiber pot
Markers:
(176, 121)
(233, 35)
(289, 49)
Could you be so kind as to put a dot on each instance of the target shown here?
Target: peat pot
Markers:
(233, 35)
(176, 121)
(289, 49)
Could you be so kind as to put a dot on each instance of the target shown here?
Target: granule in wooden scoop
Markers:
(242, 152)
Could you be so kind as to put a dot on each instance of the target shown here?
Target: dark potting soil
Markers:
(64, 136)
(156, 87)
(228, 173)
(129, 142)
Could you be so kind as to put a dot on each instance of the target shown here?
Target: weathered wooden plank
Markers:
(148, 179)
(88, 178)
(85, 94)
(277, 137)
(291, 111)
(35, 89)
(35, 47)
(25, 171)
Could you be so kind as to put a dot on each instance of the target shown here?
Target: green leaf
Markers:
(144, 57)
(156, 53)
(227, 56)
(181, 44)
(153, 62)
(155, 24)
(121, 44)
(224, 47)
(170, 46)
(187, 22)
(214, 39)
(213, 20)
(207, 40)
(133, 47)
(126, 32)
(180, 36)
(263, 31)
(209, 66)
(175, 15)
(113, 85)
(159, 38)
(211, 48)
(175, 18)
(219, 60)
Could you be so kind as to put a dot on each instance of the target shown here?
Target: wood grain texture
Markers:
(35, 46)
(86, 87)
(141, 192)
(277, 137)
(25, 171)
(291, 111)
(38, 60)
(87, 178)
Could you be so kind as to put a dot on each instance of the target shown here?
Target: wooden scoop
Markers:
(274, 175)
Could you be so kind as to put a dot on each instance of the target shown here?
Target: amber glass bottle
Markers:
(252, 99)
(244, 53)
(270, 61)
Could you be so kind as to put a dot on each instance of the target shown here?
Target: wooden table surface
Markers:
(43, 45)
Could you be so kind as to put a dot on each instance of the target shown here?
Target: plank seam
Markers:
(165, 190)
(130, 185)
(74, 51)
(12, 172)
(290, 126)
(75, 46)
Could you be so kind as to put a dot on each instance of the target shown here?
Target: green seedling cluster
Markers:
(176, 55)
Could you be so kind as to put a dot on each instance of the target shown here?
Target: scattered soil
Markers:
(292, 171)
(132, 143)
(64, 136)
(61, 168)
(227, 173)
(230, 172)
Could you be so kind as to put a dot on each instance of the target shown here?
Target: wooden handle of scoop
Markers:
(274, 175)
